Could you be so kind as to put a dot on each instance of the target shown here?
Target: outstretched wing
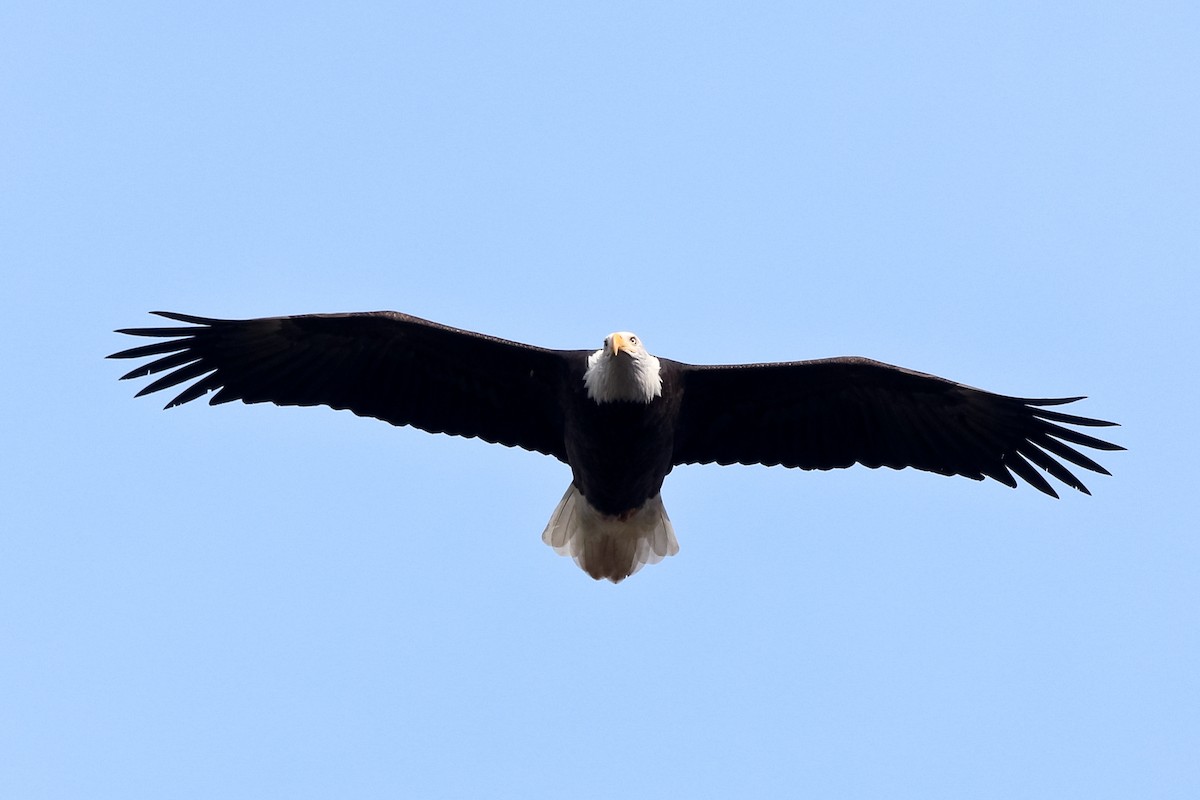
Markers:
(397, 368)
(836, 412)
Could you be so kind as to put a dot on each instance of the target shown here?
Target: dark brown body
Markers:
(619, 453)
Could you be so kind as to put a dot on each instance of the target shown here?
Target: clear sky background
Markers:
(260, 602)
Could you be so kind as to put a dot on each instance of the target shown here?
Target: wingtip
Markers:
(1052, 401)
(178, 317)
(190, 319)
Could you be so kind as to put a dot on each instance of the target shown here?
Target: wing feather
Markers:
(391, 366)
(833, 413)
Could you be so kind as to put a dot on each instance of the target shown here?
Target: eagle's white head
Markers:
(622, 370)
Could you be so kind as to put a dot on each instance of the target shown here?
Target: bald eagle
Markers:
(619, 417)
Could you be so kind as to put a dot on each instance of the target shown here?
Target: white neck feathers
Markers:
(634, 378)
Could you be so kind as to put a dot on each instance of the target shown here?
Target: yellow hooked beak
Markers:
(617, 343)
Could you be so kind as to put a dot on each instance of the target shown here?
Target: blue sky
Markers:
(252, 601)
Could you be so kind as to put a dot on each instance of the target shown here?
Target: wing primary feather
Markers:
(189, 318)
(1049, 443)
(158, 332)
(1072, 419)
(1017, 463)
(185, 373)
(1043, 460)
(996, 470)
(156, 349)
(169, 362)
(1075, 437)
(1047, 401)
(197, 389)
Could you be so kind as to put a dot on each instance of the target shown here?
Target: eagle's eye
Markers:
(633, 340)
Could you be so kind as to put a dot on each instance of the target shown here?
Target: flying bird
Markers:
(618, 416)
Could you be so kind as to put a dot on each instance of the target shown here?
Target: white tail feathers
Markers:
(608, 547)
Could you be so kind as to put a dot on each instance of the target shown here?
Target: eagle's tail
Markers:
(610, 547)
